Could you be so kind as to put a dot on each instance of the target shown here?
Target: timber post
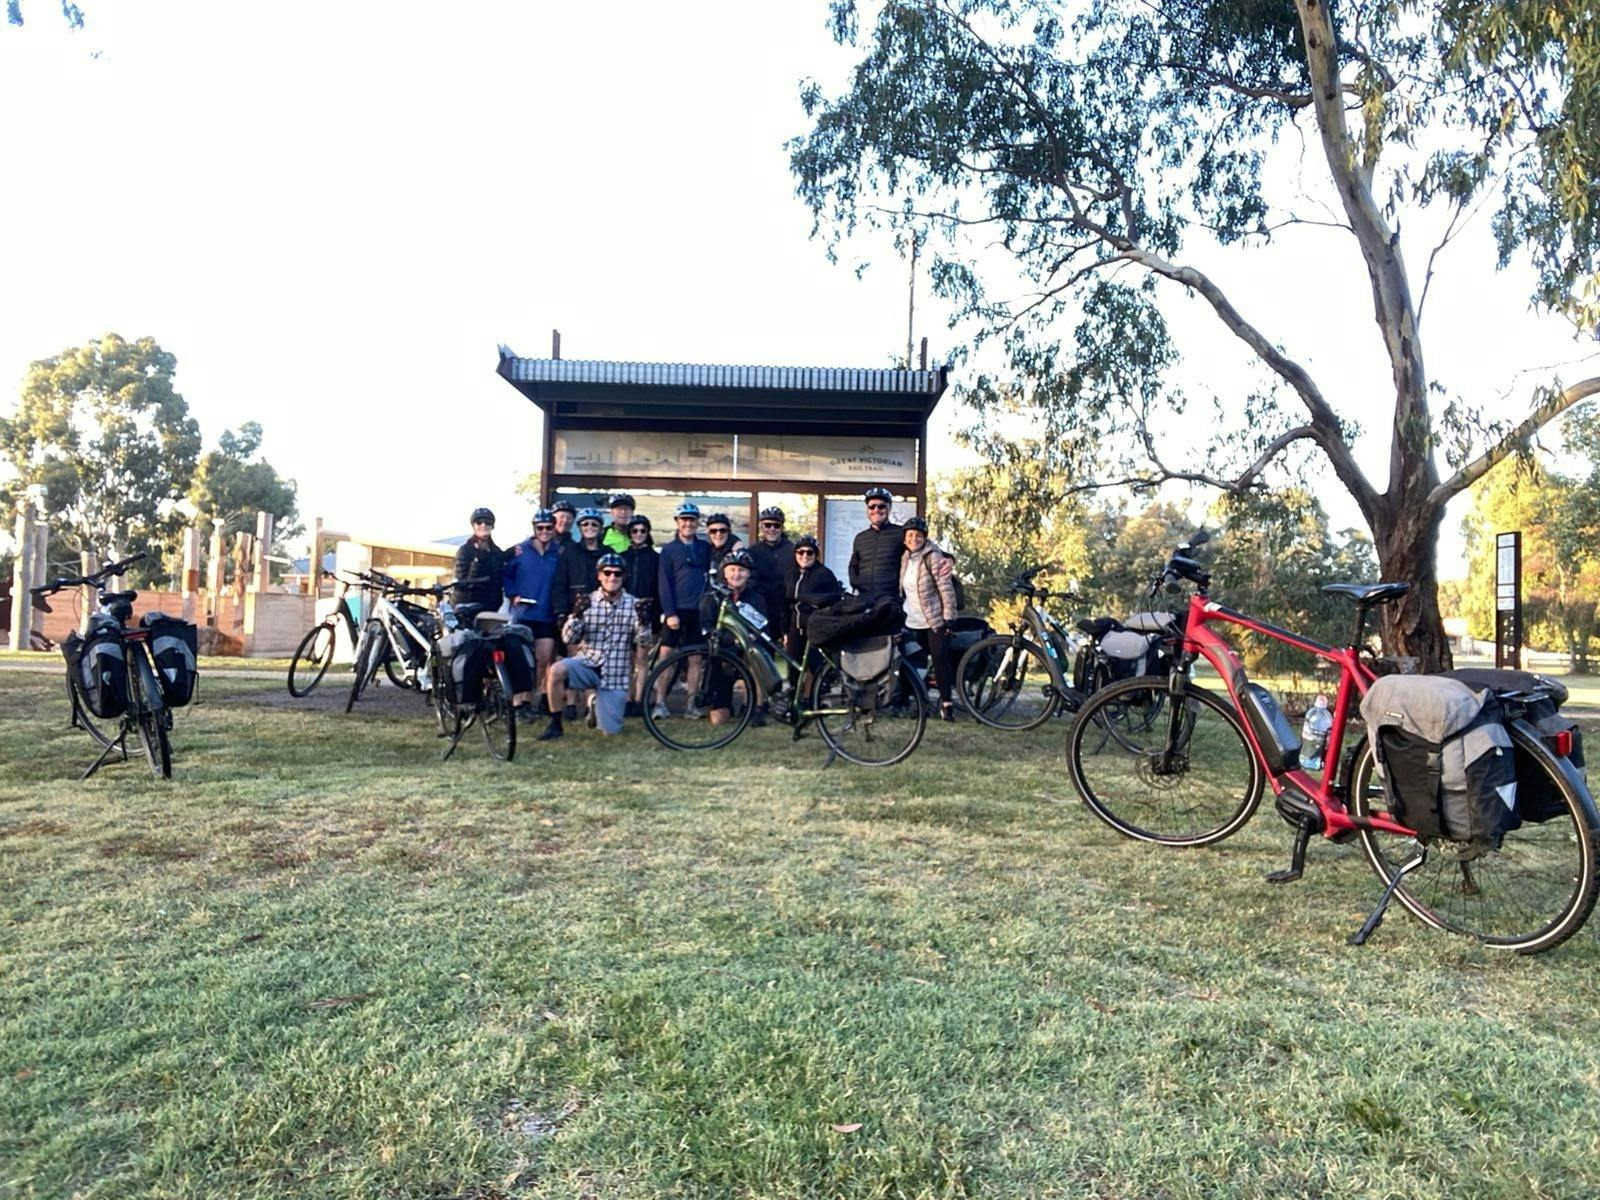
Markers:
(21, 580)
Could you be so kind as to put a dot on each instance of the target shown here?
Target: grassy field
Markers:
(321, 963)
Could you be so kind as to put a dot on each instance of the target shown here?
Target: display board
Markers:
(742, 457)
(843, 518)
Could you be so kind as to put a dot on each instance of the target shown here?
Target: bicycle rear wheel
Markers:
(495, 716)
(688, 685)
(1006, 683)
(1131, 718)
(311, 660)
(157, 746)
(876, 724)
(1204, 791)
(372, 645)
(1532, 893)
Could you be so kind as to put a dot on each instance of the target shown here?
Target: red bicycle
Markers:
(1198, 776)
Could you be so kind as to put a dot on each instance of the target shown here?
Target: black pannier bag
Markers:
(852, 617)
(517, 643)
(174, 647)
(1445, 756)
(465, 654)
(99, 664)
(1538, 798)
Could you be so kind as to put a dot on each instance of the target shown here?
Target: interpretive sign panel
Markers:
(843, 519)
(737, 457)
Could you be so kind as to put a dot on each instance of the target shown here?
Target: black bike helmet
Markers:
(719, 519)
(807, 539)
(878, 493)
(740, 558)
(610, 560)
(563, 506)
(772, 514)
(482, 514)
(620, 498)
(920, 524)
(639, 519)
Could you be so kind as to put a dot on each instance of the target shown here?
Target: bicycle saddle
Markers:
(467, 613)
(109, 598)
(1365, 594)
(1098, 627)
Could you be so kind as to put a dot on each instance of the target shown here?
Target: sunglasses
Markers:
(611, 571)
(877, 508)
(805, 553)
(718, 529)
(772, 524)
(543, 528)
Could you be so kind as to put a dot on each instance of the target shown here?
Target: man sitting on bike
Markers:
(736, 572)
(602, 631)
(529, 578)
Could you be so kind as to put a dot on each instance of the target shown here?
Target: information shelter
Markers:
(733, 437)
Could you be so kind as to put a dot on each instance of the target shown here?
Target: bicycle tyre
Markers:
(443, 709)
(834, 728)
(311, 660)
(495, 715)
(1119, 785)
(1448, 892)
(1126, 719)
(365, 667)
(157, 746)
(85, 719)
(991, 679)
(668, 668)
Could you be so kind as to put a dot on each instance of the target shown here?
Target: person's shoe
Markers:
(570, 712)
(551, 731)
(525, 714)
(694, 712)
(660, 712)
(632, 709)
(589, 717)
(947, 712)
(759, 717)
(544, 706)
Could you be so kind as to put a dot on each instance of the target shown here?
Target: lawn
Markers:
(319, 962)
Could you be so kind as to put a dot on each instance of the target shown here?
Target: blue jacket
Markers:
(528, 575)
(683, 575)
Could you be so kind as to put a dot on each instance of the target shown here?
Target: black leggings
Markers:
(938, 647)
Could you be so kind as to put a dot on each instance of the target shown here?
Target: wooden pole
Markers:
(41, 568)
(86, 594)
(260, 568)
(215, 573)
(190, 583)
(314, 561)
(22, 579)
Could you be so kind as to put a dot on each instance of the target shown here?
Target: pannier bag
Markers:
(852, 617)
(174, 645)
(1445, 757)
(1538, 798)
(465, 654)
(517, 642)
(1152, 622)
(99, 664)
(869, 665)
(1129, 653)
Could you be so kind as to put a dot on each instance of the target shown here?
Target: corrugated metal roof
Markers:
(709, 375)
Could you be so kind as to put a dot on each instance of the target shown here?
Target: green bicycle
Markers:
(869, 706)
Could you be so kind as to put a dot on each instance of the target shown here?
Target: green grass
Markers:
(322, 963)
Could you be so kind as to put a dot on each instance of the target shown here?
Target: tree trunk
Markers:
(1413, 625)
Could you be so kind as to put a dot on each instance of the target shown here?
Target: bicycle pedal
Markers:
(1287, 875)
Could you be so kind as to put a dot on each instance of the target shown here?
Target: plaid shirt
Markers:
(605, 634)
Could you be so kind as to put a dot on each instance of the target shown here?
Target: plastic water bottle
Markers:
(1314, 734)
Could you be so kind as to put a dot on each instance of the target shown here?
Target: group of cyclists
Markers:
(598, 595)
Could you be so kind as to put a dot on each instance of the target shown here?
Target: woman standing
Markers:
(641, 573)
(480, 565)
(928, 594)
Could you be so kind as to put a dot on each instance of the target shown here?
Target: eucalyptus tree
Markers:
(1107, 146)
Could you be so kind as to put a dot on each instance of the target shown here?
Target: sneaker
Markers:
(659, 712)
(525, 714)
(589, 717)
(694, 712)
(551, 732)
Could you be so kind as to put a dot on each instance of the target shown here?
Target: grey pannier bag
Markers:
(868, 665)
(1445, 757)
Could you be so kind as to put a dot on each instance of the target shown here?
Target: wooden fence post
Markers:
(41, 569)
(21, 580)
(86, 594)
(216, 573)
(261, 569)
(190, 583)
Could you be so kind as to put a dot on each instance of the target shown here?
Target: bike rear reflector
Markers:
(1561, 743)
(500, 657)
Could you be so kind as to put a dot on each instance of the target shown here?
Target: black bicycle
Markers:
(120, 680)
(315, 653)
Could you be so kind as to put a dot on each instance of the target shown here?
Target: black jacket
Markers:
(576, 575)
(875, 562)
(815, 587)
(733, 543)
(641, 580)
(773, 564)
(480, 574)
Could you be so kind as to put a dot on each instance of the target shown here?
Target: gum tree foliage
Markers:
(1105, 144)
(233, 484)
(104, 447)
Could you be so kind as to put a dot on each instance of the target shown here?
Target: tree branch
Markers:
(1552, 408)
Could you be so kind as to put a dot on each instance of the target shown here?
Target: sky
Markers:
(332, 213)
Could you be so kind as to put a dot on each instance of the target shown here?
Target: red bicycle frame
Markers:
(1355, 677)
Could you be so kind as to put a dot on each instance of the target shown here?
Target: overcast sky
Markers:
(331, 213)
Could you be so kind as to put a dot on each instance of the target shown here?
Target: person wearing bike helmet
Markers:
(773, 555)
(602, 631)
(685, 561)
(641, 579)
(564, 514)
(621, 505)
(575, 575)
(809, 585)
(480, 565)
(928, 595)
(722, 540)
(736, 572)
(875, 557)
(530, 575)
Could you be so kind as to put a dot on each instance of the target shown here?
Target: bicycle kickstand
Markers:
(101, 761)
(1360, 936)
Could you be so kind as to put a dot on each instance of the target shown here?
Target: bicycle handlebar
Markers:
(109, 571)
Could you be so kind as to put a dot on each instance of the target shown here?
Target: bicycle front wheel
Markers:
(697, 700)
(1005, 683)
(311, 661)
(1532, 893)
(157, 746)
(495, 716)
(372, 645)
(1200, 791)
(875, 724)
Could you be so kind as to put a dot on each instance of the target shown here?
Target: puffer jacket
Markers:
(935, 583)
(875, 562)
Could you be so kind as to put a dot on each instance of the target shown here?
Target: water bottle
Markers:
(1314, 734)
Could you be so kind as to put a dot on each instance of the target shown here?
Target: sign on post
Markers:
(1508, 600)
